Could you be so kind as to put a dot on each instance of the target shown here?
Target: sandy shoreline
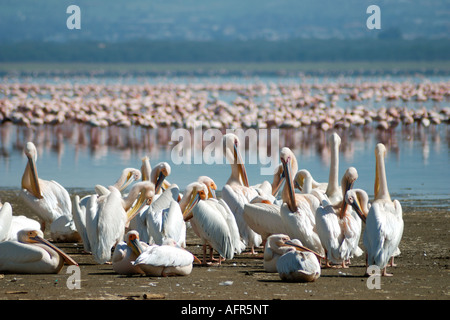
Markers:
(422, 273)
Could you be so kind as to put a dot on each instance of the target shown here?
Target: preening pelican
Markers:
(236, 192)
(164, 219)
(127, 176)
(158, 175)
(107, 216)
(125, 253)
(384, 223)
(165, 260)
(298, 210)
(48, 199)
(298, 264)
(338, 229)
(359, 200)
(212, 220)
(32, 254)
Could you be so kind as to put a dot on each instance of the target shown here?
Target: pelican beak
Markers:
(290, 184)
(159, 182)
(197, 260)
(30, 181)
(136, 246)
(140, 203)
(355, 205)
(348, 186)
(66, 258)
(211, 192)
(187, 214)
(240, 162)
(302, 248)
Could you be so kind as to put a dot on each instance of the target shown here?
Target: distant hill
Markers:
(214, 20)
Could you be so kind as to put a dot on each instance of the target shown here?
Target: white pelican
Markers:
(274, 248)
(48, 199)
(338, 229)
(158, 175)
(107, 216)
(165, 260)
(125, 253)
(10, 225)
(127, 176)
(359, 200)
(31, 254)
(384, 223)
(212, 220)
(163, 219)
(297, 209)
(236, 192)
(298, 264)
(306, 184)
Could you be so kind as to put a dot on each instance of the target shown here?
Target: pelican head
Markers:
(133, 242)
(277, 240)
(36, 236)
(129, 175)
(347, 183)
(358, 199)
(231, 144)
(159, 174)
(146, 191)
(210, 184)
(296, 244)
(30, 179)
(289, 163)
(334, 139)
(194, 193)
(380, 187)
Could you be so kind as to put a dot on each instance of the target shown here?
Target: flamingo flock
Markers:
(143, 230)
(324, 106)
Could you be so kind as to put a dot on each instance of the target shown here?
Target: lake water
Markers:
(79, 156)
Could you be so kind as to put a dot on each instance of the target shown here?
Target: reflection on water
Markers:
(81, 156)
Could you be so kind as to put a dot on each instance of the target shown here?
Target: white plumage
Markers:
(167, 259)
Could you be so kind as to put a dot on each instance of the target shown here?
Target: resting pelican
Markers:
(48, 199)
(384, 223)
(32, 254)
(125, 253)
(297, 209)
(107, 216)
(236, 192)
(339, 230)
(10, 225)
(275, 247)
(127, 176)
(298, 264)
(212, 220)
(165, 260)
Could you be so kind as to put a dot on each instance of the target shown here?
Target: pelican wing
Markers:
(212, 226)
(264, 218)
(236, 202)
(13, 253)
(159, 212)
(173, 225)
(329, 231)
(165, 255)
(79, 218)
